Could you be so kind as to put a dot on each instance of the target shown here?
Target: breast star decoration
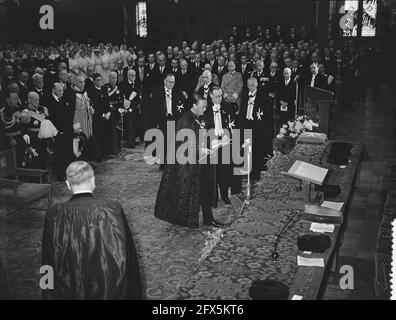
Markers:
(259, 114)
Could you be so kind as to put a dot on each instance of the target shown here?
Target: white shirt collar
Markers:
(56, 97)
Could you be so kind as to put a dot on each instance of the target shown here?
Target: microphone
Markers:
(275, 254)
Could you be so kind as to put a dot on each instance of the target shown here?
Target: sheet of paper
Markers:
(310, 262)
(297, 297)
(322, 227)
(307, 252)
(332, 205)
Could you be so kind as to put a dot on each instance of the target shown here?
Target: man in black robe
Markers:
(185, 187)
(255, 114)
(88, 243)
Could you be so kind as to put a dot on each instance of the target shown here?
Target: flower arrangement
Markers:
(288, 133)
(212, 239)
(22, 117)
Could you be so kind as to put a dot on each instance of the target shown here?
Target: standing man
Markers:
(131, 92)
(207, 85)
(167, 104)
(219, 116)
(88, 243)
(256, 115)
(101, 140)
(61, 114)
(286, 106)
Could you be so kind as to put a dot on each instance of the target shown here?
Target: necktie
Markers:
(217, 120)
(168, 94)
(206, 90)
(249, 113)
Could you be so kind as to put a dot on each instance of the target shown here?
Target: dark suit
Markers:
(286, 93)
(246, 74)
(132, 119)
(224, 172)
(206, 94)
(157, 77)
(23, 92)
(89, 85)
(319, 82)
(158, 117)
(219, 73)
(102, 138)
(261, 126)
(88, 242)
(186, 81)
(61, 114)
(262, 80)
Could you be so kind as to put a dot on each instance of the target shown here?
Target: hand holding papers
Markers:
(217, 144)
(127, 104)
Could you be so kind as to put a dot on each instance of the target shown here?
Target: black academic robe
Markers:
(186, 187)
(88, 243)
(261, 126)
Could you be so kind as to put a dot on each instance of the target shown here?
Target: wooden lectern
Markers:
(323, 99)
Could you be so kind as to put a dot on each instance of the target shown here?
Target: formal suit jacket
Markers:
(221, 73)
(262, 112)
(262, 79)
(274, 81)
(100, 102)
(126, 90)
(227, 116)
(120, 75)
(88, 243)
(89, 85)
(287, 93)
(201, 92)
(245, 75)
(158, 110)
(157, 77)
(144, 81)
(61, 114)
(186, 82)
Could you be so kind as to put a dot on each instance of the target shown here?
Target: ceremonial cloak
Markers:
(88, 243)
(185, 186)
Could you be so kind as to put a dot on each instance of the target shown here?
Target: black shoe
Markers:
(213, 223)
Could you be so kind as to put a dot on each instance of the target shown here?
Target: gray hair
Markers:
(79, 172)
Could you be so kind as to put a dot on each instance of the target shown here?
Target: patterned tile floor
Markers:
(373, 124)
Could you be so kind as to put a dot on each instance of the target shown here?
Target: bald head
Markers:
(131, 75)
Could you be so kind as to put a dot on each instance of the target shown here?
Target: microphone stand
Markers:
(275, 254)
(247, 145)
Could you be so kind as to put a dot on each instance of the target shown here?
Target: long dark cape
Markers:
(88, 243)
(178, 199)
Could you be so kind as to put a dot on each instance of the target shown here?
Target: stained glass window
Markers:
(141, 19)
(351, 8)
(369, 15)
(359, 18)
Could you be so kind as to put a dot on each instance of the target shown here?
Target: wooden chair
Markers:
(19, 194)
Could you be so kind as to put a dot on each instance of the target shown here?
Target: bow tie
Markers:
(252, 95)
(216, 108)
(168, 92)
